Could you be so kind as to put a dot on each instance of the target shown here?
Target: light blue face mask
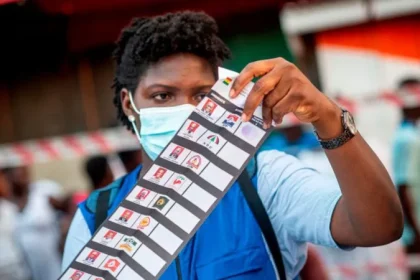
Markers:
(158, 126)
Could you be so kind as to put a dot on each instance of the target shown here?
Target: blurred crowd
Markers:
(35, 215)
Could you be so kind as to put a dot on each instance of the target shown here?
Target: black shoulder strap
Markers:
(102, 208)
(257, 208)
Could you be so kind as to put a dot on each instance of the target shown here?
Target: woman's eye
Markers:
(200, 96)
(162, 96)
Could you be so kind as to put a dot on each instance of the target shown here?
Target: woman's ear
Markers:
(129, 108)
(126, 103)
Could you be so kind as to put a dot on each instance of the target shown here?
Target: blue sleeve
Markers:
(77, 237)
(299, 200)
(400, 159)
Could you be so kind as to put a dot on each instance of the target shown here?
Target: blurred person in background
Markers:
(404, 140)
(131, 159)
(13, 265)
(165, 66)
(99, 172)
(37, 222)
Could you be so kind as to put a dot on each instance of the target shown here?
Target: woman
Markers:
(167, 63)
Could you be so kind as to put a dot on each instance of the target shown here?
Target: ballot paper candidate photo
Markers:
(165, 66)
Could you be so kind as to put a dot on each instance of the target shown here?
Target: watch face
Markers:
(349, 121)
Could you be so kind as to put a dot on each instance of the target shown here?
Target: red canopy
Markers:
(4, 2)
(97, 22)
(70, 7)
(77, 7)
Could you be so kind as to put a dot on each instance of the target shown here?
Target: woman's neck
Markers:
(146, 163)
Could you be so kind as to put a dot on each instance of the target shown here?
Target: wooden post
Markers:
(7, 131)
(87, 90)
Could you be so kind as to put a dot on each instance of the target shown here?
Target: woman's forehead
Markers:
(184, 68)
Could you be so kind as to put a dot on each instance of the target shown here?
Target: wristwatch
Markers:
(349, 130)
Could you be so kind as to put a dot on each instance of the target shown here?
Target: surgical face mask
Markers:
(158, 125)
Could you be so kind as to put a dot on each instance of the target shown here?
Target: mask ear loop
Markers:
(132, 119)
(132, 103)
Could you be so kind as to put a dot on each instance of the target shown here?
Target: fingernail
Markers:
(266, 125)
(244, 117)
(232, 93)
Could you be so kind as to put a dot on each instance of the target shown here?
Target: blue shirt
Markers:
(299, 201)
(405, 136)
(404, 139)
(278, 141)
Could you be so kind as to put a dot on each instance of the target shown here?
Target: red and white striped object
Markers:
(66, 147)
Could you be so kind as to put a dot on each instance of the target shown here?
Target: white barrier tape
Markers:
(66, 147)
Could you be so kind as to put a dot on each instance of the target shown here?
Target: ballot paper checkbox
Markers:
(182, 218)
(250, 133)
(192, 130)
(212, 141)
(108, 237)
(149, 260)
(196, 162)
(127, 273)
(175, 153)
(141, 196)
(233, 155)
(166, 239)
(178, 182)
(216, 176)
(91, 257)
(209, 110)
(75, 274)
(198, 196)
(113, 264)
(124, 216)
(158, 175)
(145, 224)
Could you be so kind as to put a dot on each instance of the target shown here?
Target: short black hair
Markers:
(147, 40)
(96, 168)
(408, 82)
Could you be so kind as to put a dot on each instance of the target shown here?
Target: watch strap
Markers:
(338, 141)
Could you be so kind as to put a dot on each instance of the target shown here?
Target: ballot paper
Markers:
(176, 195)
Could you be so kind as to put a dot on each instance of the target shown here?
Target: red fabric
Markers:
(79, 197)
(4, 2)
(87, 31)
(94, 23)
(70, 7)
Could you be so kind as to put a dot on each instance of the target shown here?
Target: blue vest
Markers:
(229, 244)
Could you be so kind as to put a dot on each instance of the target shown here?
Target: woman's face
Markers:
(174, 80)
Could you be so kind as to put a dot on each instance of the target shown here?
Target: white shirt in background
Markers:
(38, 231)
(12, 262)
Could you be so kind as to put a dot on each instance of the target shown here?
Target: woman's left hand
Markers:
(284, 89)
